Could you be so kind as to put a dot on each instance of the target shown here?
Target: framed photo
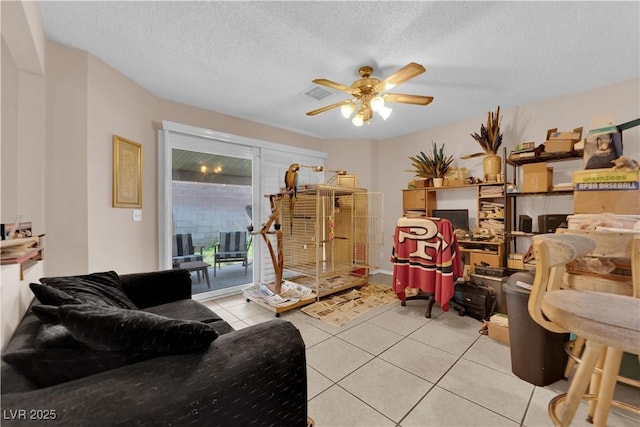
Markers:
(127, 173)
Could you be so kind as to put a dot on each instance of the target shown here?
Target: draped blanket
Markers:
(426, 256)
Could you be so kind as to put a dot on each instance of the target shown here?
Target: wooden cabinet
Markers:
(419, 199)
(490, 253)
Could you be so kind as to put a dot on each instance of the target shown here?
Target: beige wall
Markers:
(23, 121)
(99, 236)
(352, 155)
(118, 106)
(22, 150)
(66, 188)
(186, 114)
(9, 152)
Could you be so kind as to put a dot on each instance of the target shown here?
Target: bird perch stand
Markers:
(277, 259)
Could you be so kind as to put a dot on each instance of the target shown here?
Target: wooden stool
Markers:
(553, 252)
(611, 325)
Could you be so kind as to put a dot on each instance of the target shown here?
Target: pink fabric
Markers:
(426, 256)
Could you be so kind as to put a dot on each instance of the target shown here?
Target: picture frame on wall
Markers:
(127, 173)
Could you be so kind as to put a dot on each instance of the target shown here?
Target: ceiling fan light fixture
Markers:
(377, 103)
(385, 112)
(347, 110)
(367, 94)
(358, 119)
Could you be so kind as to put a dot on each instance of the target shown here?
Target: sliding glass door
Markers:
(211, 192)
(212, 208)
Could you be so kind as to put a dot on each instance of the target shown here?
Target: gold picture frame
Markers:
(127, 173)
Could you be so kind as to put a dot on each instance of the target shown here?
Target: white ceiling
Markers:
(255, 60)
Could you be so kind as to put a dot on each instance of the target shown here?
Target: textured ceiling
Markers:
(255, 60)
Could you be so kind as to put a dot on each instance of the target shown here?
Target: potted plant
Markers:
(490, 139)
(434, 165)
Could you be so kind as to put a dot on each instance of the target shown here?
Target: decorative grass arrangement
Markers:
(432, 165)
(490, 137)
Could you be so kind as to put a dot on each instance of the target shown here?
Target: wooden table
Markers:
(197, 266)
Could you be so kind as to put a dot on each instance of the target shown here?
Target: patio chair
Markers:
(183, 250)
(232, 247)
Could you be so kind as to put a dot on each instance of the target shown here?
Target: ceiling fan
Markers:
(369, 94)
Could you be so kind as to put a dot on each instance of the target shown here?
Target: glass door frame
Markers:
(176, 135)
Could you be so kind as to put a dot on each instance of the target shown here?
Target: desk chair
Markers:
(609, 330)
(425, 256)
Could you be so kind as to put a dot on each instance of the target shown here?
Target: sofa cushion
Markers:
(102, 288)
(113, 329)
(188, 309)
(58, 355)
(50, 366)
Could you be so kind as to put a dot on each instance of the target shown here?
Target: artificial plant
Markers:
(490, 137)
(432, 165)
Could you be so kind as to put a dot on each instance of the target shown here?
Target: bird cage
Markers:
(330, 236)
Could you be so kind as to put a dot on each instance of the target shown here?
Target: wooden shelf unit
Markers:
(510, 236)
(28, 257)
(546, 157)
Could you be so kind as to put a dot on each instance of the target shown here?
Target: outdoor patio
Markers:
(227, 276)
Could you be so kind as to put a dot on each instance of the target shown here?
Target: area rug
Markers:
(343, 307)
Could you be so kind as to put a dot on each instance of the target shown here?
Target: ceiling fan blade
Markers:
(405, 73)
(328, 107)
(334, 85)
(407, 99)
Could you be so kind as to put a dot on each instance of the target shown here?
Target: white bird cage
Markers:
(331, 236)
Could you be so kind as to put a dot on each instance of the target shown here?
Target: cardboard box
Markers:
(586, 221)
(498, 331)
(587, 177)
(558, 146)
(516, 261)
(561, 142)
(348, 180)
(575, 135)
(609, 190)
(537, 178)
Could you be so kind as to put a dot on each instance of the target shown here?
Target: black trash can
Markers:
(537, 355)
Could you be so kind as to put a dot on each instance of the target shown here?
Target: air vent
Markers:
(317, 93)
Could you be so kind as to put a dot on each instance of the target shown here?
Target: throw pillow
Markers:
(113, 329)
(102, 288)
(55, 336)
(46, 313)
(50, 366)
(52, 296)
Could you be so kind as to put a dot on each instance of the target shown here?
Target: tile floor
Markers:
(394, 367)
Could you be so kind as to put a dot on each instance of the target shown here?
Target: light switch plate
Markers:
(137, 214)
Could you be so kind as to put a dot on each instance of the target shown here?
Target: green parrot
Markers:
(291, 184)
